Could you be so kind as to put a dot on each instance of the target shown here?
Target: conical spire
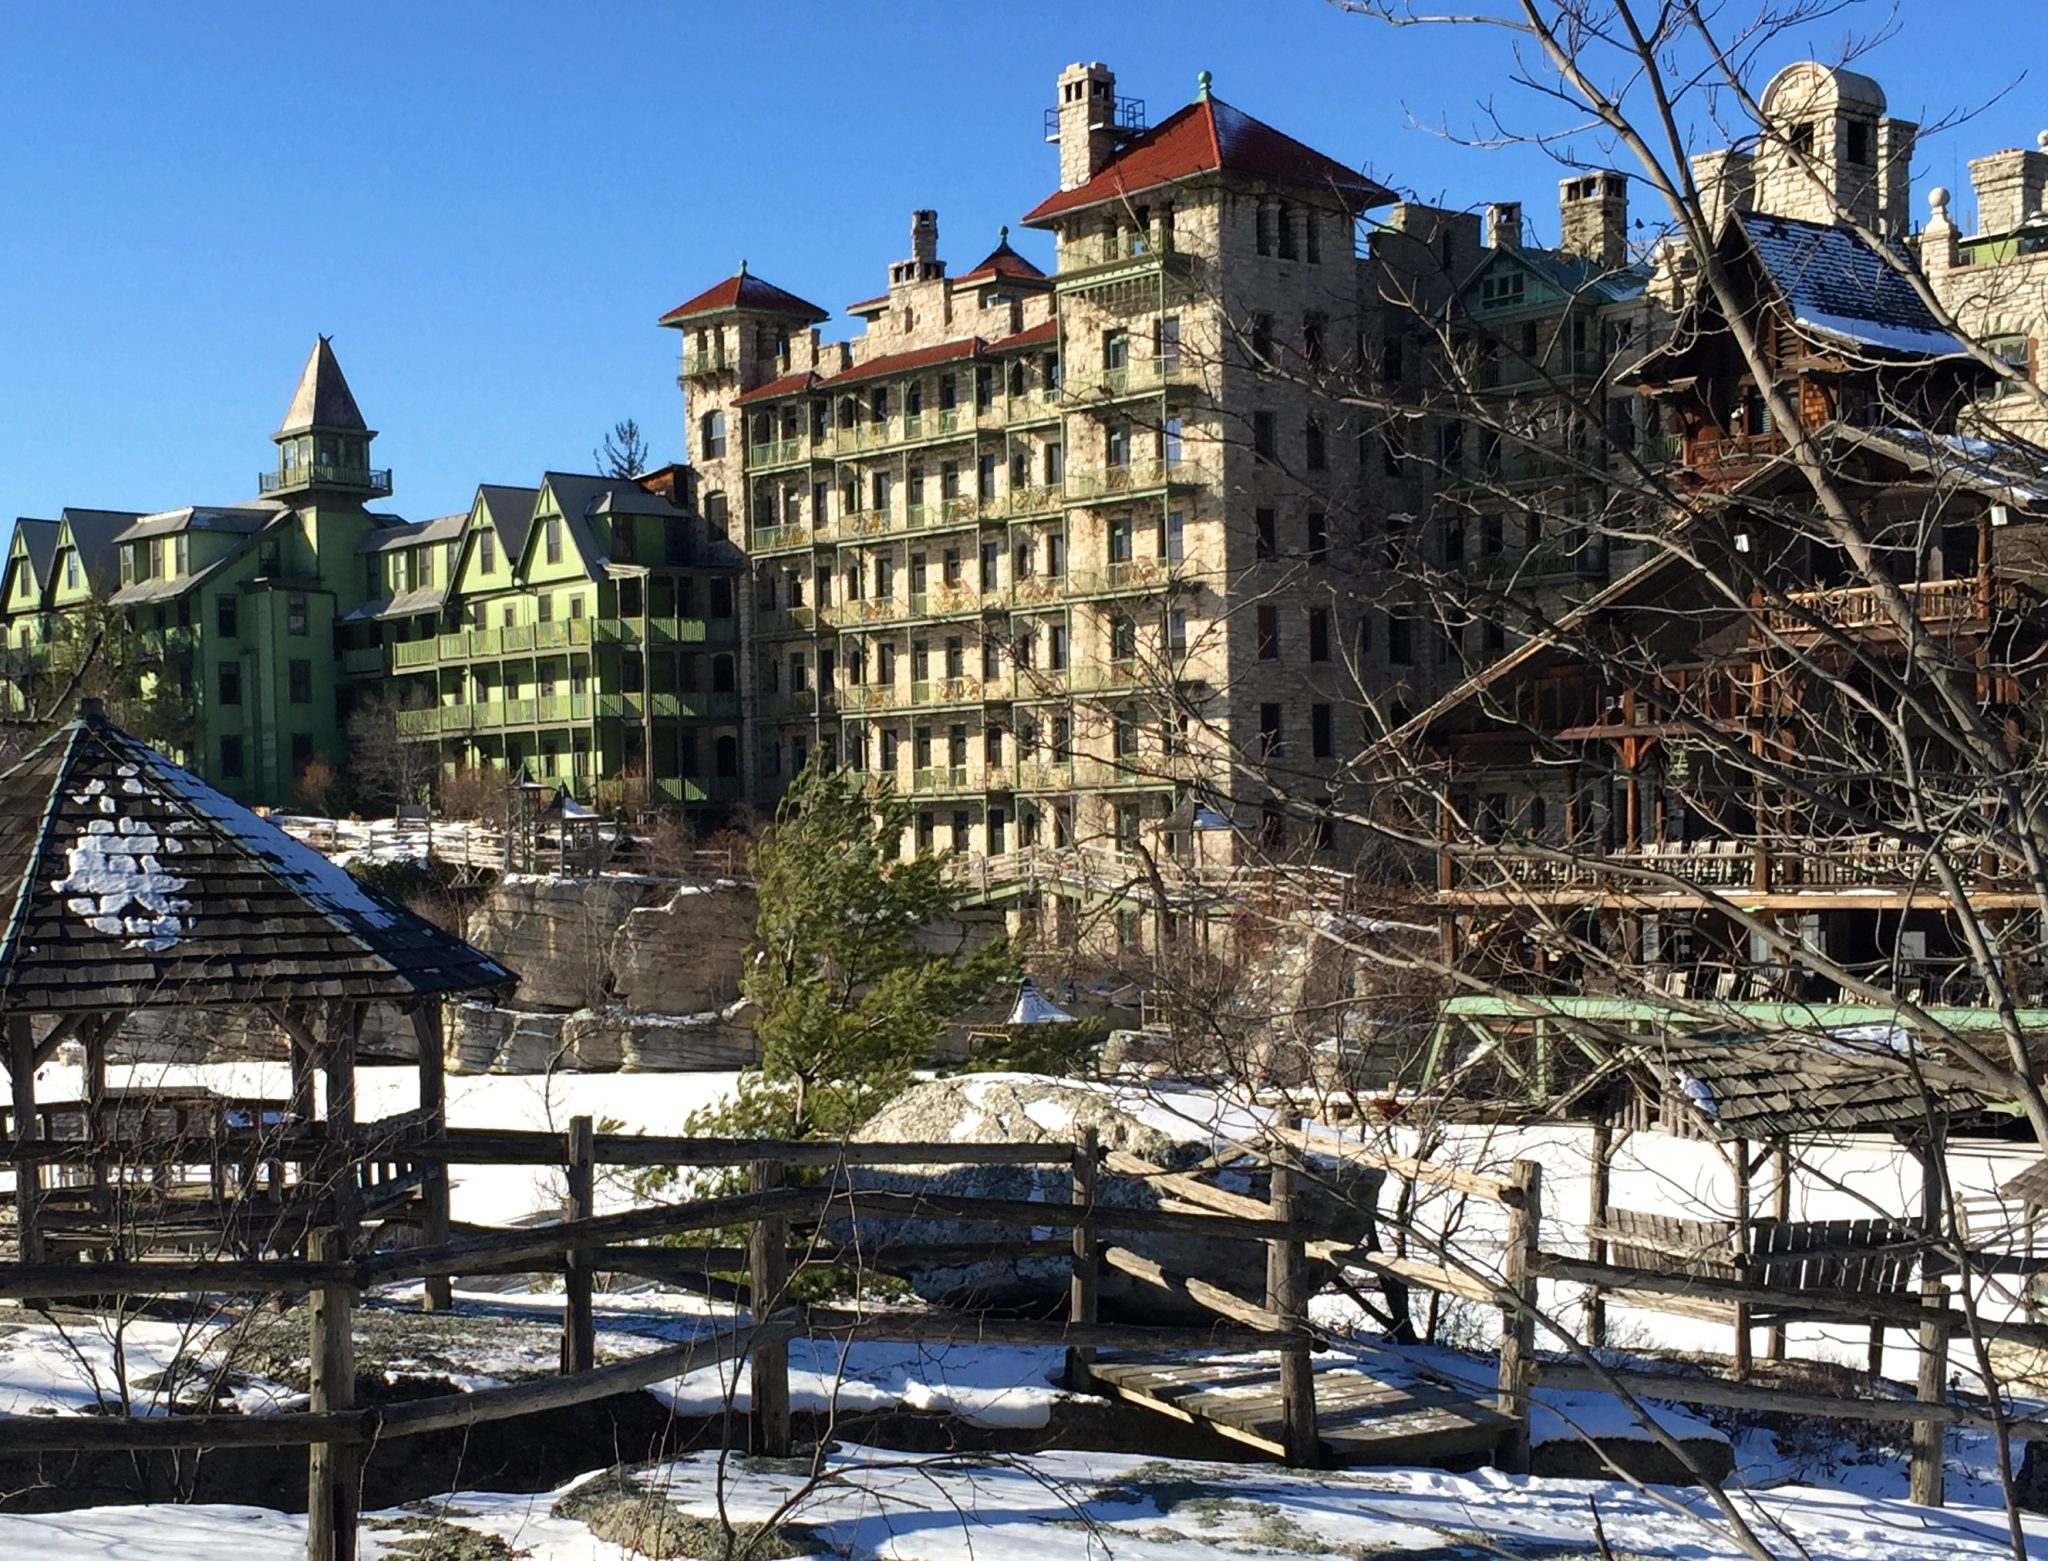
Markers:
(323, 400)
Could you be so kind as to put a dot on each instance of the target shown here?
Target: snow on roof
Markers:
(1838, 287)
(138, 885)
(1034, 1007)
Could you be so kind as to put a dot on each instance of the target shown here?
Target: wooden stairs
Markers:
(1361, 1418)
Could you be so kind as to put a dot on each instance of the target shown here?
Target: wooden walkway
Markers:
(1361, 1419)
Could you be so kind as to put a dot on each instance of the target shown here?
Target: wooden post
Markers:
(21, 1073)
(1518, 1311)
(1926, 1477)
(331, 1467)
(1781, 1211)
(1286, 1296)
(769, 1266)
(433, 1065)
(579, 1326)
(1740, 1242)
(1925, 1474)
(1087, 1261)
(1596, 1244)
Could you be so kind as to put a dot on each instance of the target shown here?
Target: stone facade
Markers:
(1052, 552)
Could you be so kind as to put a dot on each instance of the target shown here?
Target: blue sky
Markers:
(488, 205)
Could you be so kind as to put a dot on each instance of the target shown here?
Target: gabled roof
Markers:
(742, 291)
(511, 512)
(1575, 276)
(1840, 289)
(1761, 1090)
(1207, 137)
(38, 539)
(93, 532)
(323, 399)
(1003, 264)
(131, 883)
(582, 496)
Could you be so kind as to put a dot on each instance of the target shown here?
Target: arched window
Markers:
(728, 757)
(722, 678)
(712, 443)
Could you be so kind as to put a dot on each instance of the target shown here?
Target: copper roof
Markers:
(1209, 136)
(741, 291)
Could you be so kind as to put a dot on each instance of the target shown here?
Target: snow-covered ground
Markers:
(1071, 1506)
(1804, 1491)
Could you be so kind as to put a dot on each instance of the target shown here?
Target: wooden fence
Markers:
(786, 1226)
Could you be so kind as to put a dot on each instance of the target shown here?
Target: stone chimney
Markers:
(1504, 225)
(1895, 141)
(924, 264)
(1592, 211)
(1727, 183)
(2010, 186)
(1087, 121)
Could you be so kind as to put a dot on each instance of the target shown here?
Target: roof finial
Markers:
(743, 268)
(1202, 87)
(1003, 234)
(92, 712)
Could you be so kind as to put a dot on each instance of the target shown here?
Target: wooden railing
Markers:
(1772, 865)
(1934, 603)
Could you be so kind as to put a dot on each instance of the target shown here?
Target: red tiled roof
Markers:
(1209, 136)
(741, 291)
(874, 368)
(789, 384)
(1004, 262)
(904, 362)
(1039, 335)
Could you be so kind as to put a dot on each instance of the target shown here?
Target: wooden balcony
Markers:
(1858, 871)
(1945, 606)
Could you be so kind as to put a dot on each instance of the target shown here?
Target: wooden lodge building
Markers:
(1749, 774)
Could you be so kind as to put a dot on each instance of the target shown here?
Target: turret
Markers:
(324, 445)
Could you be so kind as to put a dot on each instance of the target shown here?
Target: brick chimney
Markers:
(1504, 225)
(2010, 186)
(1087, 121)
(1592, 211)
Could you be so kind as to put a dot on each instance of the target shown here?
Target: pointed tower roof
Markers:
(1208, 137)
(323, 399)
(1003, 264)
(744, 291)
(130, 883)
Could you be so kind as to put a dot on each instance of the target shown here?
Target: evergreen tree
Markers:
(848, 1003)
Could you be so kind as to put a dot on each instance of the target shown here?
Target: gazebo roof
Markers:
(1034, 1007)
(130, 883)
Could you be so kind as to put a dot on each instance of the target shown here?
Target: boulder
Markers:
(683, 955)
(1026, 1108)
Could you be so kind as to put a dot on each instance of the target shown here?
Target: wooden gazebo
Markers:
(133, 885)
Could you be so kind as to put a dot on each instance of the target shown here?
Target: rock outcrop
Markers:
(482, 1039)
(683, 955)
(1025, 1108)
(558, 933)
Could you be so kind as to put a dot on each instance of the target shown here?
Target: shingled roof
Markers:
(1846, 1082)
(134, 884)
